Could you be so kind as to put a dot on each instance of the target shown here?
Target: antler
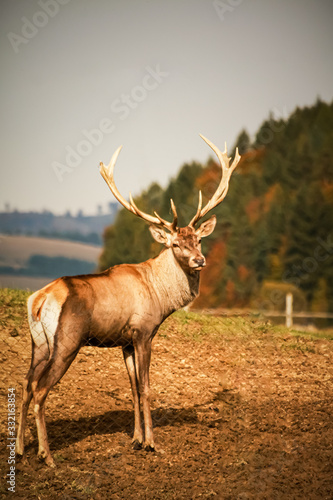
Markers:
(223, 187)
(107, 174)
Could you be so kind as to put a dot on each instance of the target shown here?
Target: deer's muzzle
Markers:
(198, 263)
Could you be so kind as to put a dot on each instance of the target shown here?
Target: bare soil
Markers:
(242, 410)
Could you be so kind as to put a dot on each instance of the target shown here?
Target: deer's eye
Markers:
(175, 245)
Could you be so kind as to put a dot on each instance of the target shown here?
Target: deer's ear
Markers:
(206, 227)
(160, 235)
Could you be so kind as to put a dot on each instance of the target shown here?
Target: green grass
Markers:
(301, 333)
(13, 308)
(193, 325)
(321, 334)
(299, 347)
(199, 327)
(12, 298)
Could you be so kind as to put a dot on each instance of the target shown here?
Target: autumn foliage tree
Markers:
(278, 212)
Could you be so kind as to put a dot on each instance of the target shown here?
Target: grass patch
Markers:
(311, 335)
(10, 297)
(299, 347)
(205, 327)
(320, 334)
(196, 326)
(13, 308)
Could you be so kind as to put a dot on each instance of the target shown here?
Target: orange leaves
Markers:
(243, 273)
(270, 197)
(215, 266)
(218, 252)
(253, 210)
(327, 189)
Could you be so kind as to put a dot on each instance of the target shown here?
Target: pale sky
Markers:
(150, 75)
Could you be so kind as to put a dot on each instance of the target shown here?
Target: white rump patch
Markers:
(43, 330)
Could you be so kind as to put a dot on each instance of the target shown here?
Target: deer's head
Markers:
(185, 242)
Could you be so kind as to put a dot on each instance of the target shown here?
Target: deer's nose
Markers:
(200, 262)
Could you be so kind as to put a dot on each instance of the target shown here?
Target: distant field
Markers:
(15, 252)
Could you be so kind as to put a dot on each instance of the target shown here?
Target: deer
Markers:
(122, 306)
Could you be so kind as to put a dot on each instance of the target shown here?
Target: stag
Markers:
(120, 307)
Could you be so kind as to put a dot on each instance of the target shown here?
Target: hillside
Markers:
(84, 228)
(274, 230)
(31, 262)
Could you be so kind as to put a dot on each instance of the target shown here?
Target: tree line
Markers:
(275, 227)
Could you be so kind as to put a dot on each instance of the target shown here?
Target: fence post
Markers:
(289, 310)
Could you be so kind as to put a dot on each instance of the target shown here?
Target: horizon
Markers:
(101, 211)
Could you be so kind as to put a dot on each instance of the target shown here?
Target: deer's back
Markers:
(106, 308)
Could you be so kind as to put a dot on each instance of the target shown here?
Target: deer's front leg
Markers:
(142, 363)
(129, 358)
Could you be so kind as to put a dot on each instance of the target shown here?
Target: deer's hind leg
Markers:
(65, 350)
(129, 357)
(39, 358)
(52, 373)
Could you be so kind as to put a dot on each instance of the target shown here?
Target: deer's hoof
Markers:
(22, 458)
(19, 449)
(50, 462)
(43, 456)
(136, 444)
(149, 447)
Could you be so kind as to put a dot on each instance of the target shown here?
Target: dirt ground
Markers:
(241, 410)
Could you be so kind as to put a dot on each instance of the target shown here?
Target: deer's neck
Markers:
(174, 287)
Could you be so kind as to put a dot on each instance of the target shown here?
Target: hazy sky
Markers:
(150, 75)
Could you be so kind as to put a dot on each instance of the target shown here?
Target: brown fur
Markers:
(59, 291)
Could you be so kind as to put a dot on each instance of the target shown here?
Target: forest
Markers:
(275, 227)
